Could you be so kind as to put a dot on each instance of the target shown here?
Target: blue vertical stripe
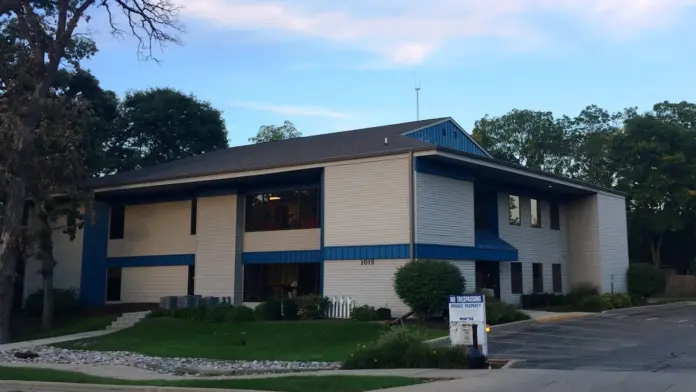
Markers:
(94, 253)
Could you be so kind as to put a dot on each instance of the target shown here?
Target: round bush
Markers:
(384, 314)
(269, 311)
(239, 314)
(425, 285)
(594, 303)
(363, 313)
(645, 280)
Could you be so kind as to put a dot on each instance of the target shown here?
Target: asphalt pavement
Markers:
(652, 339)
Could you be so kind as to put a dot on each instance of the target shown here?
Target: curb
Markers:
(68, 387)
(514, 363)
(640, 309)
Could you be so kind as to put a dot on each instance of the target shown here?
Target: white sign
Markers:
(464, 312)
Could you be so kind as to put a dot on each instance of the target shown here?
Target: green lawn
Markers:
(31, 330)
(289, 384)
(290, 341)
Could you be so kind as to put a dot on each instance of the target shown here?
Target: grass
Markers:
(31, 329)
(288, 341)
(286, 384)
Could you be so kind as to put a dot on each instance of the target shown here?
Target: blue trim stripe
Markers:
(94, 251)
(293, 256)
(398, 251)
(436, 168)
(151, 261)
(448, 134)
(448, 252)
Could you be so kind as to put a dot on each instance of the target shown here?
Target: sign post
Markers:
(465, 311)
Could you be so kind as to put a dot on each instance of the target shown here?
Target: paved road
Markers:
(657, 340)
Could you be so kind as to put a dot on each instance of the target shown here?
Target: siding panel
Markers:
(535, 245)
(149, 284)
(366, 284)
(216, 239)
(155, 229)
(367, 203)
(444, 211)
(583, 242)
(613, 241)
(282, 240)
(468, 270)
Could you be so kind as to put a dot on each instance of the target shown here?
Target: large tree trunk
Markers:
(656, 249)
(10, 233)
(47, 265)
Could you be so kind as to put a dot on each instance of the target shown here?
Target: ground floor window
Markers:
(113, 284)
(557, 278)
(263, 282)
(538, 277)
(488, 277)
(191, 283)
(516, 278)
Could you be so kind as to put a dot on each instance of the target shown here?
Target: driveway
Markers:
(657, 340)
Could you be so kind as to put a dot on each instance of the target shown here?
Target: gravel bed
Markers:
(162, 365)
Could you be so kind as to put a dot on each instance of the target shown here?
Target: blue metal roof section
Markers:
(448, 134)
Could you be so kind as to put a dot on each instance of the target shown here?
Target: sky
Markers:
(329, 65)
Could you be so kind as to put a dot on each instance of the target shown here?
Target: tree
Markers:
(162, 125)
(41, 37)
(525, 137)
(656, 168)
(274, 133)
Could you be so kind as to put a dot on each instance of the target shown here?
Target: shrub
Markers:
(404, 348)
(620, 301)
(65, 301)
(425, 285)
(543, 300)
(217, 314)
(593, 303)
(498, 312)
(384, 314)
(364, 313)
(645, 280)
(160, 313)
(269, 311)
(192, 314)
(239, 314)
(581, 291)
(289, 309)
(312, 306)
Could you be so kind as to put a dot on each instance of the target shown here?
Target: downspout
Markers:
(411, 208)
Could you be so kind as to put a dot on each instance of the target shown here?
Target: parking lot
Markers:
(658, 340)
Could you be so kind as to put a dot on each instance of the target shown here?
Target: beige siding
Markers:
(444, 211)
(282, 240)
(613, 241)
(216, 240)
(583, 242)
(366, 284)
(367, 203)
(149, 284)
(156, 229)
(468, 270)
(534, 245)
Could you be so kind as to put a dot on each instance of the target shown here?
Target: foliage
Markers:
(401, 348)
(645, 280)
(593, 303)
(211, 315)
(498, 312)
(364, 313)
(384, 314)
(618, 300)
(312, 306)
(274, 133)
(269, 311)
(542, 300)
(425, 285)
(290, 310)
(66, 301)
(240, 314)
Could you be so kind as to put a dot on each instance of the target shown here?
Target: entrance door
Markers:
(488, 276)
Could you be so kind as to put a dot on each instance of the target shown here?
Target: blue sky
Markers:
(336, 65)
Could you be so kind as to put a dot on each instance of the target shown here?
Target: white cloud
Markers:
(410, 31)
(305, 111)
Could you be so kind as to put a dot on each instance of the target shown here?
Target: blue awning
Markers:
(487, 240)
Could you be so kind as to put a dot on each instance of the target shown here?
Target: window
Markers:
(117, 222)
(298, 209)
(516, 278)
(263, 282)
(514, 210)
(191, 280)
(113, 284)
(538, 277)
(557, 278)
(555, 217)
(194, 215)
(535, 212)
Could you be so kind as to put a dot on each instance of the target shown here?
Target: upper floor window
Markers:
(514, 209)
(287, 210)
(555, 217)
(535, 212)
(117, 222)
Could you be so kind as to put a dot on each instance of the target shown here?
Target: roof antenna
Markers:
(418, 101)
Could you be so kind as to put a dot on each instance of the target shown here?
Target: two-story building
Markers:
(338, 214)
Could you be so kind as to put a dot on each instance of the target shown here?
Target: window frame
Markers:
(538, 289)
(518, 208)
(516, 281)
(534, 206)
(117, 232)
(555, 216)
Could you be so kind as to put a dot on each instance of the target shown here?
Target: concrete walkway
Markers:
(57, 339)
(544, 316)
